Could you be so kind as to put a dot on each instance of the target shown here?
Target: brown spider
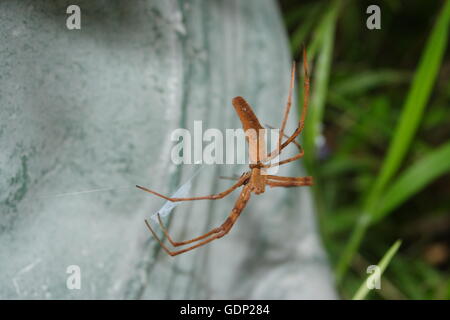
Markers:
(254, 180)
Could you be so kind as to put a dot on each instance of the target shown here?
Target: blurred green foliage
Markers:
(377, 139)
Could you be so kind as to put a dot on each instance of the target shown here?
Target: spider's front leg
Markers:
(300, 154)
(301, 122)
(296, 157)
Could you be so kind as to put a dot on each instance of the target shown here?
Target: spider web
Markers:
(181, 192)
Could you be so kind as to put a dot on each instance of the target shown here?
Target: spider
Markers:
(255, 180)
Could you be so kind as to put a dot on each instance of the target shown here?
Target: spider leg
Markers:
(174, 253)
(215, 233)
(281, 178)
(296, 157)
(301, 122)
(276, 181)
(288, 106)
(181, 243)
(276, 151)
(299, 147)
(220, 195)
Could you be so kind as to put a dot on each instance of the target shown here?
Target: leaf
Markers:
(301, 32)
(384, 262)
(412, 114)
(416, 101)
(325, 34)
(414, 179)
(363, 81)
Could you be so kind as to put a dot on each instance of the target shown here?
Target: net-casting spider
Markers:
(254, 181)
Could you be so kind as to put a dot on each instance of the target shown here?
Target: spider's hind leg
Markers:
(181, 243)
(214, 234)
(174, 253)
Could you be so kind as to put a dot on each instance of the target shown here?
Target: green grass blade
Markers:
(320, 85)
(416, 101)
(298, 13)
(414, 179)
(384, 262)
(417, 98)
(366, 80)
(299, 35)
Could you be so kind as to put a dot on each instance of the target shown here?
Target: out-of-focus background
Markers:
(377, 140)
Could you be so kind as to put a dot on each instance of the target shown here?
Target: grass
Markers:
(382, 265)
(401, 141)
(379, 161)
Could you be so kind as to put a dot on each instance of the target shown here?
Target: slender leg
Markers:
(280, 178)
(301, 122)
(181, 243)
(174, 253)
(216, 233)
(220, 195)
(288, 105)
(275, 152)
(299, 147)
(296, 157)
(289, 181)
